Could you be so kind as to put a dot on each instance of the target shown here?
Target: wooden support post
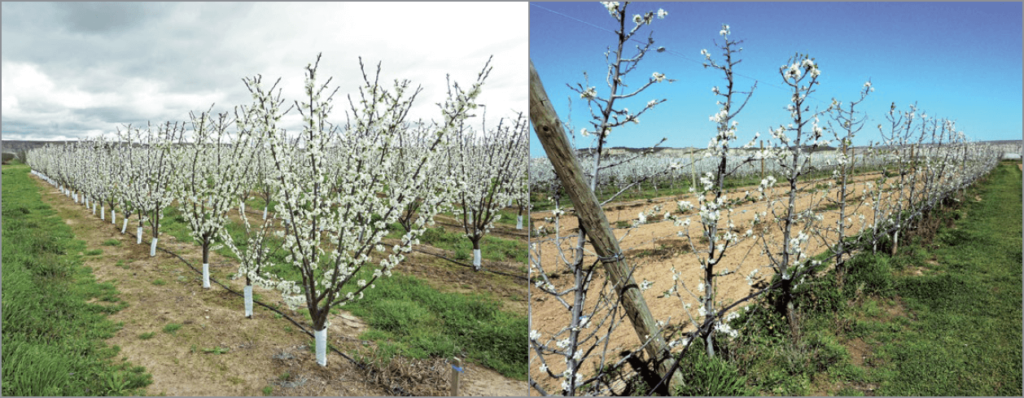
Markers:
(594, 222)
(853, 160)
(839, 193)
(762, 159)
(693, 172)
(456, 370)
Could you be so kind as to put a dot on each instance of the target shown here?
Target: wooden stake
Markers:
(595, 224)
(853, 160)
(693, 173)
(456, 369)
(762, 159)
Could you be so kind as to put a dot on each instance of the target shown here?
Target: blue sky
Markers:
(960, 61)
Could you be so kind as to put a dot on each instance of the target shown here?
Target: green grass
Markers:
(491, 247)
(465, 324)
(159, 282)
(407, 317)
(216, 350)
(508, 217)
(955, 329)
(172, 328)
(966, 335)
(147, 335)
(111, 242)
(53, 341)
(94, 252)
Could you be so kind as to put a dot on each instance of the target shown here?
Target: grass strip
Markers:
(52, 338)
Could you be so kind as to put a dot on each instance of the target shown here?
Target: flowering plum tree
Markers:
(330, 191)
(847, 122)
(485, 169)
(800, 74)
(208, 180)
(715, 207)
(413, 138)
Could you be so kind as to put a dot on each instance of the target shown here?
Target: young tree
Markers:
(333, 186)
(413, 139)
(485, 170)
(208, 180)
(787, 257)
(847, 122)
(715, 207)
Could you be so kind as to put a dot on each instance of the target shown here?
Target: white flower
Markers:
(658, 77)
(612, 6)
(583, 132)
(638, 19)
(662, 13)
(793, 73)
(534, 335)
(590, 94)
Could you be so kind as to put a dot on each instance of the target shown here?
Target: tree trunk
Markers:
(319, 332)
(476, 253)
(248, 297)
(206, 263)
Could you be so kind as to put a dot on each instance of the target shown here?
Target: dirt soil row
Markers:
(217, 351)
(655, 249)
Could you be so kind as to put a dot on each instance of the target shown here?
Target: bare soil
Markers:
(217, 351)
(654, 248)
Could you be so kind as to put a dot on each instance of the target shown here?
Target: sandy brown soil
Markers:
(217, 352)
(655, 248)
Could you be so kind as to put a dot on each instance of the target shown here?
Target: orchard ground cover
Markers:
(655, 248)
(876, 335)
(283, 355)
(941, 317)
(55, 311)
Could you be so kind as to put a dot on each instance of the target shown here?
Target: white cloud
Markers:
(69, 74)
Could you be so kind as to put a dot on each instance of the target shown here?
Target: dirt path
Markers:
(216, 351)
(655, 249)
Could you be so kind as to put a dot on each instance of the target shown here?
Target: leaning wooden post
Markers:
(595, 223)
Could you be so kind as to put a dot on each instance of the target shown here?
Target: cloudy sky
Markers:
(956, 60)
(75, 70)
